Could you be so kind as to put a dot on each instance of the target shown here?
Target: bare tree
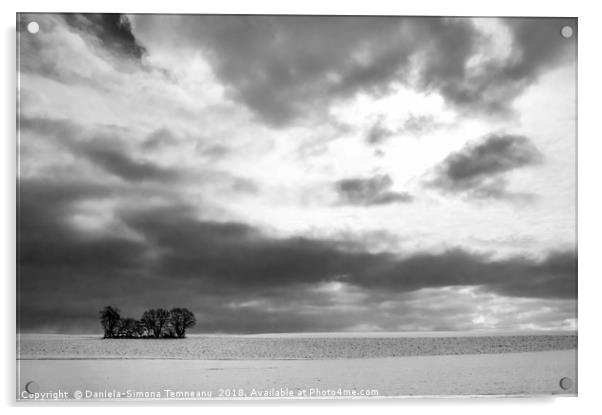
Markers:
(181, 319)
(140, 329)
(126, 327)
(156, 321)
(109, 319)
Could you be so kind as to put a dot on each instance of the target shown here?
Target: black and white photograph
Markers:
(295, 207)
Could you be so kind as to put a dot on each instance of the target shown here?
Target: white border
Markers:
(589, 211)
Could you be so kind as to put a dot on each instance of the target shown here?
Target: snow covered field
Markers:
(306, 367)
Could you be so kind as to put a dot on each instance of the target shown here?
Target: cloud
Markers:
(214, 151)
(109, 149)
(492, 85)
(113, 30)
(413, 125)
(369, 192)
(135, 199)
(103, 148)
(419, 124)
(159, 139)
(552, 277)
(91, 50)
(236, 255)
(115, 161)
(378, 133)
(478, 168)
(285, 68)
(176, 258)
(48, 238)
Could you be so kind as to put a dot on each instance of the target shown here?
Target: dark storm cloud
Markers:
(553, 277)
(112, 29)
(478, 169)
(234, 255)
(47, 238)
(105, 147)
(105, 150)
(536, 47)
(282, 66)
(285, 67)
(171, 257)
(62, 269)
(239, 256)
(496, 154)
(118, 163)
(371, 191)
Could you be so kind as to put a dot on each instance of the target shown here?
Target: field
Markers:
(293, 366)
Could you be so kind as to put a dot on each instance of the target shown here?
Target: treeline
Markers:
(155, 323)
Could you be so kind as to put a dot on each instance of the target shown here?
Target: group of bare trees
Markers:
(155, 323)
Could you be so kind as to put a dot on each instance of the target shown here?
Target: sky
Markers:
(297, 173)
